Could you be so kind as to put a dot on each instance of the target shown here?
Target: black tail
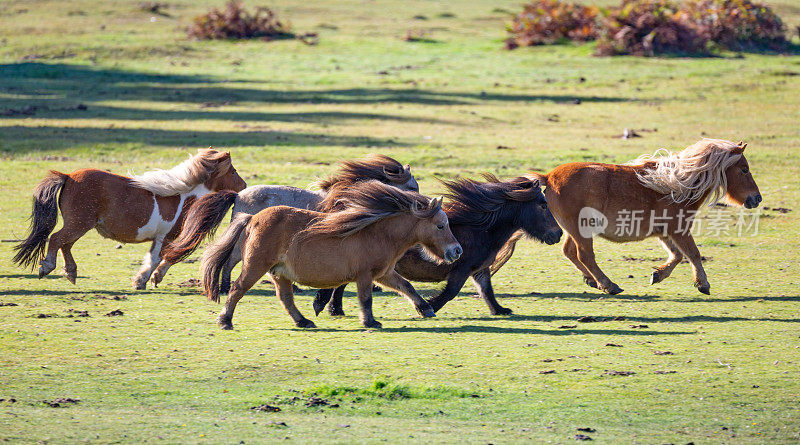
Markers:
(202, 220)
(43, 220)
(505, 252)
(218, 253)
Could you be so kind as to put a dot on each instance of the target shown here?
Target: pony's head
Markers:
(434, 234)
(222, 174)
(742, 188)
(705, 171)
(517, 202)
(373, 167)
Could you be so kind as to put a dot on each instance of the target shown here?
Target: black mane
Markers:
(477, 203)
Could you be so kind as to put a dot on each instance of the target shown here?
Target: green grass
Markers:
(163, 372)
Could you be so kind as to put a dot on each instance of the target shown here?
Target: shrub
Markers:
(647, 27)
(549, 21)
(737, 24)
(235, 22)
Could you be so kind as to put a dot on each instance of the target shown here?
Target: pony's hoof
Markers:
(435, 305)
(705, 289)
(305, 323)
(427, 313)
(501, 311)
(613, 289)
(335, 311)
(45, 269)
(71, 276)
(156, 279)
(225, 325)
(372, 324)
(318, 306)
(590, 282)
(376, 288)
(655, 277)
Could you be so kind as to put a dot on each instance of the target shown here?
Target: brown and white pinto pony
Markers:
(361, 243)
(129, 210)
(669, 186)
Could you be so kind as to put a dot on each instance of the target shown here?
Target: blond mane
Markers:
(689, 175)
(185, 176)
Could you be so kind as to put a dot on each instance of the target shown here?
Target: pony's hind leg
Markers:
(675, 256)
(227, 269)
(570, 250)
(335, 306)
(251, 273)
(393, 280)
(586, 257)
(483, 282)
(686, 244)
(283, 287)
(63, 240)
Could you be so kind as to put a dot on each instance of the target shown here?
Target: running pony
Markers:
(483, 216)
(204, 217)
(654, 195)
(359, 244)
(130, 210)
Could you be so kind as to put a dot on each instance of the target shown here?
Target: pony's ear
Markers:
(436, 203)
(740, 147)
(407, 167)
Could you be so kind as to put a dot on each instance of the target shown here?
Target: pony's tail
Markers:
(202, 219)
(505, 252)
(218, 253)
(44, 217)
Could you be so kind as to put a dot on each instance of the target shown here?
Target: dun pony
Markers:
(328, 249)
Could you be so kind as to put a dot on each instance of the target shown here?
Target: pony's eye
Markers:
(543, 205)
(745, 171)
(440, 227)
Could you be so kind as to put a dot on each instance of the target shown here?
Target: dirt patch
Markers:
(613, 345)
(77, 313)
(778, 209)
(266, 408)
(568, 326)
(61, 402)
(587, 430)
(620, 373)
(319, 401)
(582, 437)
(665, 372)
(663, 353)
(639, 326)
(548, 371)
(191, 282)
(589, 320)
(45, 316)
(115, 313)
(11, 400)
(7, 304)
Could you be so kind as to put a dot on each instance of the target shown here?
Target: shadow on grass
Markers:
(498, 330)
(63, 91)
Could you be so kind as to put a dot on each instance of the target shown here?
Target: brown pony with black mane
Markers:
(361, 243)
(483, 216)
(149, 207)
(207, 214)
(665, 190)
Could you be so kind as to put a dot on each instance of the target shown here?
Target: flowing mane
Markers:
(185, 176)
(478, 203)
(366, 203)
(375, 166)
(689, 175)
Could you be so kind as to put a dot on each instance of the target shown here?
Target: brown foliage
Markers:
(548, 21)
(235, 22)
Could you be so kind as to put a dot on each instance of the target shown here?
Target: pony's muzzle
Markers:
(453, 253)
(553, 236)
(752, 201)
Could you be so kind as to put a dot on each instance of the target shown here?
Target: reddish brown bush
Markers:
(646, 27)
(737, 24)
(235, 22)
(549, 21)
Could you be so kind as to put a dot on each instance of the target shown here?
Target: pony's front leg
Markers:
(570, 250)
(364, 285)
(665, 270)
(393, 280)
(283, 287)
(483, 281)
(149, 262)
(455, 281)
(586, 257)
(686, 244)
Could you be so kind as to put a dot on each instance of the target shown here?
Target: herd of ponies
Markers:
(367, 223)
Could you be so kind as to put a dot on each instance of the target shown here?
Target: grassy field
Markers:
(106, 85)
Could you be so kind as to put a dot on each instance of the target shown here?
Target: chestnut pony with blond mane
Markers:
(129, 210)
(666, 189)
(361, 243)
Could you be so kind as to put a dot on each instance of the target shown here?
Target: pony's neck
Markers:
(397, 231)
(197, 191)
